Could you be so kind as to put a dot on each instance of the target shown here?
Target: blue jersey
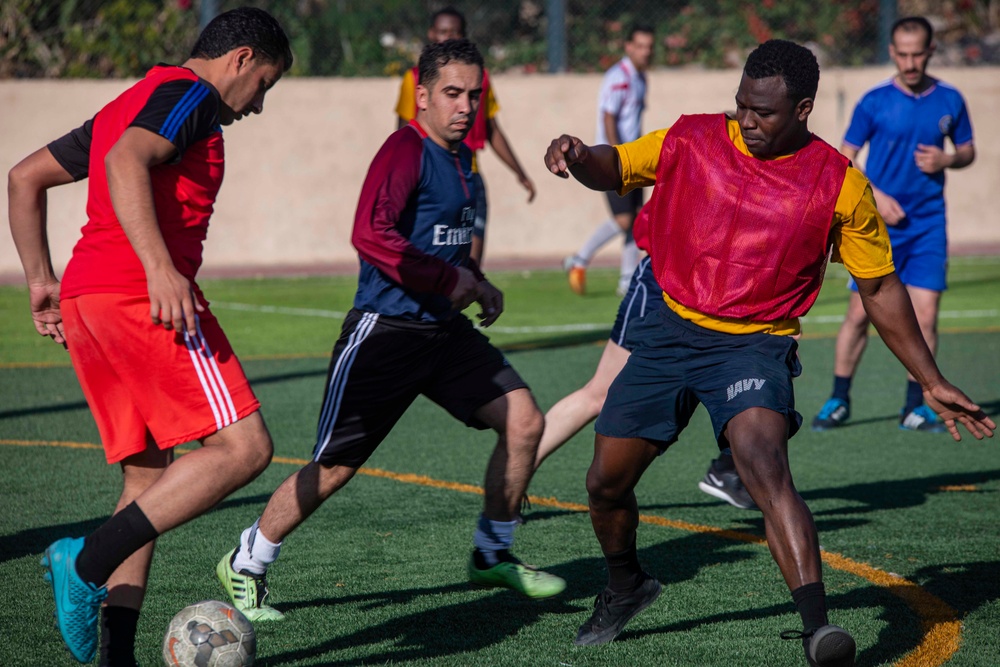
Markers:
(413, 227)
(893, 122)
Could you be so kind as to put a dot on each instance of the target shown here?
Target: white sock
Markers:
(630, 260)
(256, 551)
(601, 236)
(492, 536)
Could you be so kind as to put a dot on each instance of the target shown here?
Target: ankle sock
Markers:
(811, 603)
(842, 388)
(624, 571)
(256, 552)
(914, 396)
(118, 626)
(114, 541)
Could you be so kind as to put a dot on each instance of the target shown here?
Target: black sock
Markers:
(114, 541)
(811, 602)
(118, 626)
(624, 571)
(725, 460)
(842, 388)
(914, 396)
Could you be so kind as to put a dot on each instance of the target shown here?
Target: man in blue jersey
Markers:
(406, 336)
(905, 121)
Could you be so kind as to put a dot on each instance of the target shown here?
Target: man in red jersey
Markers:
(154, 365)
(743, 215)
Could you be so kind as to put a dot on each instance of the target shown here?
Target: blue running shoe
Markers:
(921, 418)
(78, 603)
(833, 414)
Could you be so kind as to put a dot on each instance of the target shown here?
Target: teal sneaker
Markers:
(247, 591)
(515, 575)
(921, 418)
(78, 603)
(833, 414)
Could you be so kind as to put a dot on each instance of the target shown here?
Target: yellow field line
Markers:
(940, 623)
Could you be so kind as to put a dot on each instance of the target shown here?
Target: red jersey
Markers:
(174, 103)
(736, 236)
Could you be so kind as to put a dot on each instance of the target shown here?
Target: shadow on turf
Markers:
(465, 626)
(33, 541)
(896, 494)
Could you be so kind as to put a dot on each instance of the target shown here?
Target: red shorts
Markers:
(143, 381)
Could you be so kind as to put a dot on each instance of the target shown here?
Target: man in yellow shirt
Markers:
(744, 213)
(449, 23)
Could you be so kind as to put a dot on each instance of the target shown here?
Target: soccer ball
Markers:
(209, 634)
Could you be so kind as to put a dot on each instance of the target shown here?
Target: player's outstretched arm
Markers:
(27, 184)
(596, 167)
(888, 305)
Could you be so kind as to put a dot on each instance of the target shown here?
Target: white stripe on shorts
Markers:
(641, 292)
(210, 377)
(338, 380)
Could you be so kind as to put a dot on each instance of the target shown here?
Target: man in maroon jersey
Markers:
(154, 365)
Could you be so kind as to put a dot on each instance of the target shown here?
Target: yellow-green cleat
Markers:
(515, 575)
(247, 591)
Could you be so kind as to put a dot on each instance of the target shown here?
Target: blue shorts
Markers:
(479, 226)
(675, 365)
(644, 295)
(920, 257)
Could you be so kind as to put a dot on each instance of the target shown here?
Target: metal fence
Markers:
(107, 38)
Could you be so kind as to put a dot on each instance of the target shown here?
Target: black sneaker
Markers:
(612, 611)
(828, 646)
(725, 483)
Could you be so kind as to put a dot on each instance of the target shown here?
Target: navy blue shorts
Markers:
(675, 365)
(644, 296)
(381, 364)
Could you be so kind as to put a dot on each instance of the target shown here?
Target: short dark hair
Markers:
(794, 63)
(914, 24)
(639, 27)
(436, 56)
(245, 26)
(449, 11)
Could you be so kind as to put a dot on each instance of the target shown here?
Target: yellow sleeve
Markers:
(491, 104)
(860, 240)
(406, 106)
(639, 160)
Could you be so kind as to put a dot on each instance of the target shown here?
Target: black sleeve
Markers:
(72, 151)
(183, 112)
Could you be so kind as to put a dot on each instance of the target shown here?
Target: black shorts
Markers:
(381, 364)
(630, 203)
(675, 365)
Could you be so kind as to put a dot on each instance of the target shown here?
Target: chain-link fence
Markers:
(116, 38)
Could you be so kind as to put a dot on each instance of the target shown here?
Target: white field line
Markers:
(279, 310)
(561, 328)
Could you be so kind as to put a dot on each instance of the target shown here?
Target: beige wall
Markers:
(294, 173)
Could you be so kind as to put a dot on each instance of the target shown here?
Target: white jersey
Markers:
(623, 95)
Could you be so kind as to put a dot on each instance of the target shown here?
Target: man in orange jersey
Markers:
(744, 213)
(449, 23)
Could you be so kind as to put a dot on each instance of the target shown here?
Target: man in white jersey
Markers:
(619, 119)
